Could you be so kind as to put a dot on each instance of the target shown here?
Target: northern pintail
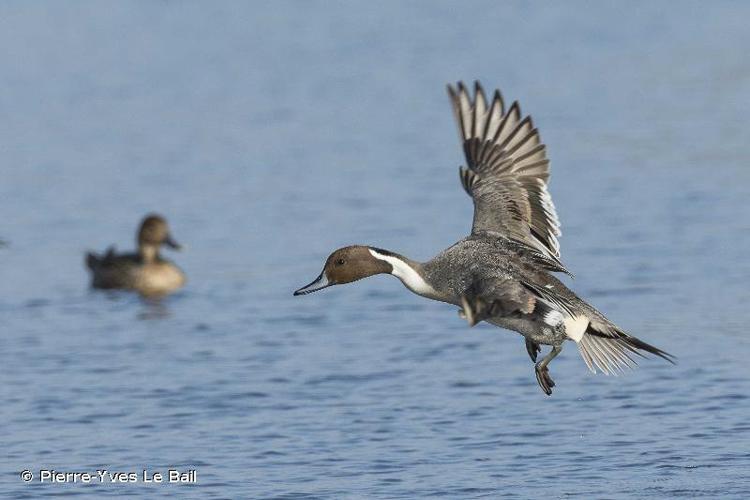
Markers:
(501, 272)
(144, 271)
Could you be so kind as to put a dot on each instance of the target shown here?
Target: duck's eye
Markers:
(340, 262)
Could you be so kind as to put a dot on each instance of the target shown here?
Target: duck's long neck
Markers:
(407, 270)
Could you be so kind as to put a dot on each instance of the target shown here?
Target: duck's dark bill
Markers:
(319, 283)
(171, 243)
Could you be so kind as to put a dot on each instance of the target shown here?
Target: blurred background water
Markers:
(272, 133)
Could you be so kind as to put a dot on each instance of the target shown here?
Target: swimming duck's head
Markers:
(346, 265)
(155, 232)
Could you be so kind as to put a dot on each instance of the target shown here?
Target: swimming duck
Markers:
(502, 272)
(144, 271)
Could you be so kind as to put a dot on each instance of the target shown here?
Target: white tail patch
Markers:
(406, 274)
(575, 327)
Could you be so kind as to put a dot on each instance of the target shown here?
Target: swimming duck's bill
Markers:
(171, 243)
(320, 283)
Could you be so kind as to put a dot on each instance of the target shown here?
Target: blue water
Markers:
(270, 134)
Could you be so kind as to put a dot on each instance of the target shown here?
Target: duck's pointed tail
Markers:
(612, 351)
(92, 260)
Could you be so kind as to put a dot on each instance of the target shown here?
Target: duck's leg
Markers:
(471, 309)
(542, 372)
(533, 349)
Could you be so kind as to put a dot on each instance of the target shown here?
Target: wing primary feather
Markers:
(513, 114)
(532, 136)
(466, 109)
(526, 123)
(494, 117)
(454, 106)
(503, 149)
(480, 110)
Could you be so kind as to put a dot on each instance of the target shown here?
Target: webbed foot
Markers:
(543, 378)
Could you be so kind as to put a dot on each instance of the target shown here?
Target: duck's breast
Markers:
(159, 278)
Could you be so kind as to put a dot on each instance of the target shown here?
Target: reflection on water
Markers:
(270, 135)
(154, 308)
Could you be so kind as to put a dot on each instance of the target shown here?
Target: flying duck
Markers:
(502, 273)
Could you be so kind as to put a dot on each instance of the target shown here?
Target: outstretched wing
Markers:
(507, 170)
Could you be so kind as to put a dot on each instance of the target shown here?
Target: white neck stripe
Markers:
(405, 273)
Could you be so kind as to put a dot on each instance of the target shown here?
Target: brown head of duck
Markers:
(153, 233)
(345, 265)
